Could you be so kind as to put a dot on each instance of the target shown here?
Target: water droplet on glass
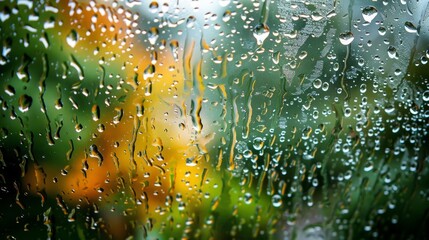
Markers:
(258, 143)
(149, 72)
(391, 51)
(362, 88)
(226, 16)
(248, 198)
(4, 15)
(95, 112)
(72, 38)
(118, 117)
(316, 16)
(247, 153)
(94, 152)
(317, 83)
(153, 6)
(153, 35)
(174, 45)
(426, 96)
(382, 31)
(346, 38)
(325, 86)
(303, 55)
(276, 200)
(276, 57)
(261, 32)
(25, 102)
(389, 109)
(410, 27)
(9, 90)
(190, 22)
(369, 13)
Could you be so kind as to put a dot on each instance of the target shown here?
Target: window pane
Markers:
(214, 119)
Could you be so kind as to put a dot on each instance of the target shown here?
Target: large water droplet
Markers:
(426, 96)
(258, 143)
(382, 31)
(72, 38)
(190, 22)
(276, 200)
(369, 13)
(261, 32)
(149, 72)
(226, 16)
(153, 35)
(248, 198)
(391, 51)
(174, 45)
(346, 38)
(317, 83)
(25, 102)
(95, 112)
(410, 27)
(153, 6)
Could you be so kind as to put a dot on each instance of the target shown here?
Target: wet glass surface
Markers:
(214, 119)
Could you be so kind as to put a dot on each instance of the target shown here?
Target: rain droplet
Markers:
(276, 200)
(190, 22)
(346, 38)
(25, 102)
(95, 112)
(261, 32)
(9, 90)
(362, 88)
(369, 13)
(382, 31)
(4, 15)
(391, 51)
(325, 86)
(94, 152)
(368, 166)
(410, 27)
(76, 65)
(426, 96)
(44, 40)
(317, 83)
(389, 109)
(190, 162)
(153, 6)
(248, 198)
(153, 57)
(78, 127)
(174, 45)
(118, 117)
(316, 16)
(58, 104)
(303, 55)
(153, 35)
(276, 57)
(72, 38)
(149, 72)
(258, 143)
(226, 16)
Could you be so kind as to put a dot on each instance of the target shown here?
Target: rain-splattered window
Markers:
(192, 119)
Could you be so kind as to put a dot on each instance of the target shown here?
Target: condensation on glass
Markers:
(214, 119)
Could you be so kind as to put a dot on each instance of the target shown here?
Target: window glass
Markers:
(227, 119)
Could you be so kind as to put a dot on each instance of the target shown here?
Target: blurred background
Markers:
(214, 119)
